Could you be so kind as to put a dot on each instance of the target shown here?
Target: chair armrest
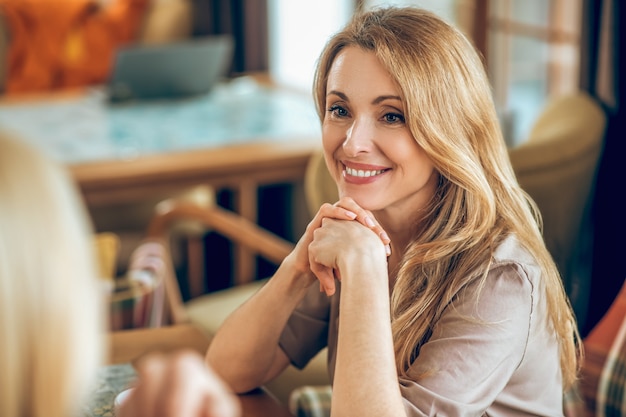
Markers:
(234, 227)
(225, 222)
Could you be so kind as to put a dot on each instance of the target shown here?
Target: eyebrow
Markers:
(377, 100)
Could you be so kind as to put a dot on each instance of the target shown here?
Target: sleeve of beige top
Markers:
(474, 349)
(306, 332)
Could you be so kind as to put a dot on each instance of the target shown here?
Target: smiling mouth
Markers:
(364, 173)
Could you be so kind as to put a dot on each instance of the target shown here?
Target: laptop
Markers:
(170, 71)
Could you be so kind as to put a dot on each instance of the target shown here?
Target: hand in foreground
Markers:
(345, 209)
(177, 385)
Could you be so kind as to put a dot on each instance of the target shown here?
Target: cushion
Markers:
(210, 310)
(311, 401)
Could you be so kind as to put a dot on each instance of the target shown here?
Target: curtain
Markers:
(600, 76)
(245, 20)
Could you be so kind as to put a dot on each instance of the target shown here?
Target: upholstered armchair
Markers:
(557, 166)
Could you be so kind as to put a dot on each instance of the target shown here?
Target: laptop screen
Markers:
(173, 70)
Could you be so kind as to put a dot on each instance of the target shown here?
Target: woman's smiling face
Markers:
(369, 149)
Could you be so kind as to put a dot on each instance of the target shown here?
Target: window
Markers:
(532, 54)
(297, 34)
(531, 47)
(531, 50)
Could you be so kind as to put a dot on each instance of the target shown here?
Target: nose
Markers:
(359, 137)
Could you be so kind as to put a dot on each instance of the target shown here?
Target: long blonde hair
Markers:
(51, 314)
(450, 112)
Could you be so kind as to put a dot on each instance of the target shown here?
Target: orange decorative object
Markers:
(57, 44)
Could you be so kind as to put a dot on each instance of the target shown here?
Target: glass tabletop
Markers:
(110, 381)
(87, 128)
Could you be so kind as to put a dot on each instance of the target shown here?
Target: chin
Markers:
(366, 202)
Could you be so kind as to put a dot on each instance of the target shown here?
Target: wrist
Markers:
(296, 279)
(365, 268)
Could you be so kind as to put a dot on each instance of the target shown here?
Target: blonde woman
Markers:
(463, 313)
(52, 319)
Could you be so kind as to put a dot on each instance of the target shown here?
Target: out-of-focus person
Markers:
(52, 307)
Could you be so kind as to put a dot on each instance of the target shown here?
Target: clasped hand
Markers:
(336, 232)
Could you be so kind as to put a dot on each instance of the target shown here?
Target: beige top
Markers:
(493, 353)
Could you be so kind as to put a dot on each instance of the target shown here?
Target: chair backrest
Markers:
(557, 167)
(135, 299)
(319, 186)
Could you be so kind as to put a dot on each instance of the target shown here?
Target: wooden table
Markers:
(129, 345)
(241, 167)
(244, 133)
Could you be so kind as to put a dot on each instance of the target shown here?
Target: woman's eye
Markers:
(338, 111)
(393, 118)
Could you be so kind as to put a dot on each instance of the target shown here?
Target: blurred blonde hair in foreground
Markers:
(51, 309)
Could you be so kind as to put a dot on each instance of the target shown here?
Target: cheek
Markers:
(402, 149)
(330, 143)
(332, 139)
(412, 158)
(423, 168)
(332, 135)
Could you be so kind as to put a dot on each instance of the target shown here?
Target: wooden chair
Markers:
(209, 311)
(136, 299)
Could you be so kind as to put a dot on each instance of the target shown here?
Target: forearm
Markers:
(245, 348)
(366, 382)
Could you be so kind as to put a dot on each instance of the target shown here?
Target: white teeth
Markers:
(363, 173)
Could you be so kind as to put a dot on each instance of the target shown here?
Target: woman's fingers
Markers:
(366, 218)
(344, 209)
(333, 211)
(337, 244)
(325, 277)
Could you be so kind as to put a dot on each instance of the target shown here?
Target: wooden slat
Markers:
(245, 261)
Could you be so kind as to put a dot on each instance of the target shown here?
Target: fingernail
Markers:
(369, 221)
(384, 237)
(351, 214)
(388, 249)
